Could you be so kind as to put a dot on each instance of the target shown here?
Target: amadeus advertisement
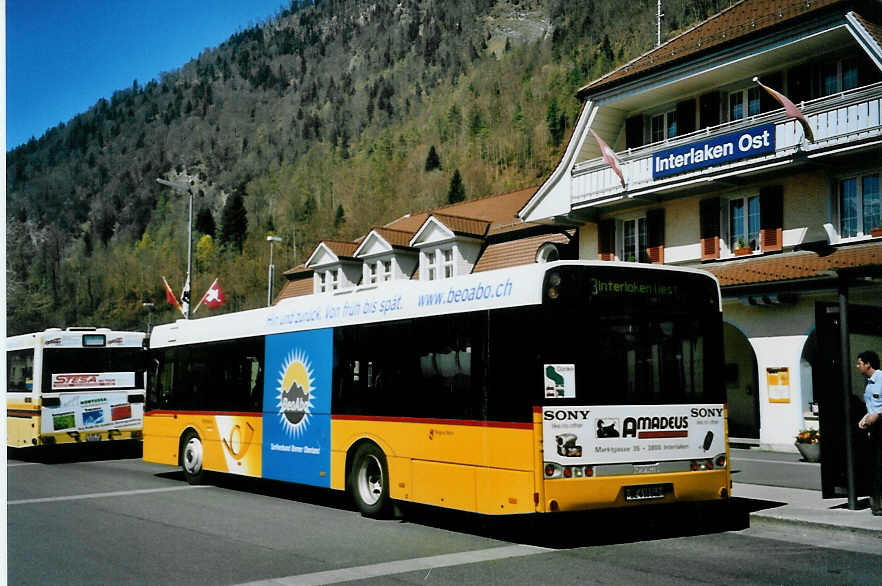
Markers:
(610, 434)
(297, 407)
(750, 142)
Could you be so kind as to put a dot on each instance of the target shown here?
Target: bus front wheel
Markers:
(369, 481)
(191, 457)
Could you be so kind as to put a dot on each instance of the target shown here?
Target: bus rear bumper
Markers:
(582, 494)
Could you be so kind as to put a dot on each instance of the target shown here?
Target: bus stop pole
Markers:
(845, 359)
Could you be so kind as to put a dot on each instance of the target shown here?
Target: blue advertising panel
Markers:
(297, 407)
(751, 142)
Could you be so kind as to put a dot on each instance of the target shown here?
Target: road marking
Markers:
(400, 567)
(15, 464)
(98, 495)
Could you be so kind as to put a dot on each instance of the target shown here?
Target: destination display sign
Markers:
(743, 144)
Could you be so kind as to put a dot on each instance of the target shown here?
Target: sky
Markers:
(62, 56)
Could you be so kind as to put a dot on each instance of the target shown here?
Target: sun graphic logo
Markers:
(295, 393)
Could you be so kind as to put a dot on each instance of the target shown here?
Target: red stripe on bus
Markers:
(658, 434)
(468, 422)
(205, 413)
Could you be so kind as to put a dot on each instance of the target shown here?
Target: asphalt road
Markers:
(110, 518)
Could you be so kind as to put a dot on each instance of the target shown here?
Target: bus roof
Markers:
(73, 338)
(401, 299)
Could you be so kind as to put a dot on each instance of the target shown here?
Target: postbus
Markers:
(80, 384)
(564, 386)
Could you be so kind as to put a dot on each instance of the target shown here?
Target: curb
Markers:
(791, 516)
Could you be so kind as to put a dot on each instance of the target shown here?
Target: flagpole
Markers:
(185, 295)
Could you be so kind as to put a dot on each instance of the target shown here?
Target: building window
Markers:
(634, 240)
(744, 222)
(448, 263)
(321, 277)
(860, 207)
(743, 103)
(387, 270)
(335, 279)
(664, 126)
(372, 278)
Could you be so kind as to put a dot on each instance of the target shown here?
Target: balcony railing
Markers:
(838, 121)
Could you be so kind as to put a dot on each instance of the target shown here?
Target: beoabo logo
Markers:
(565, 414)
(656, 427)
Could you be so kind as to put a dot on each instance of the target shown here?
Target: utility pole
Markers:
(185, 294)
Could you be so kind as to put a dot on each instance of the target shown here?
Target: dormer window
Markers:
(335, 279)
(387, 270)
(448, 262)
(373, 273)
(322, 285)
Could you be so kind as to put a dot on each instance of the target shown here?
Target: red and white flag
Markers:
(791, 109)
(609, 157)
(170, 295)
(214, 297)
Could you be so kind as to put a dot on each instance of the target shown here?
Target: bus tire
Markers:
(369, 481)
(192, 457)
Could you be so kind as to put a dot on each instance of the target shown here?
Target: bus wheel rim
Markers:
(193, 456)
(370, 480)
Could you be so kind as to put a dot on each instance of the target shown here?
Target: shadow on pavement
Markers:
(82, 452)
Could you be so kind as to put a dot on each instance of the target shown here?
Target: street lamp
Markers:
(185, 294)
(269, 292)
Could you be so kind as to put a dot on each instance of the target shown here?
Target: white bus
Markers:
(75, 385)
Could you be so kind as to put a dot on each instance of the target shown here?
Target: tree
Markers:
(456, 193)
(339, 217)
(205, 222)
(432, 160)
(556, 122)
(234, 222)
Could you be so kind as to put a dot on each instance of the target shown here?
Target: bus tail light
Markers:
(567, 472)
(553, 470)
(696, 465)
(589, 471)
(721, 461)
(553, 290)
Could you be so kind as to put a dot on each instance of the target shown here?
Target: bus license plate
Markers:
(645, 492)
(93, 437)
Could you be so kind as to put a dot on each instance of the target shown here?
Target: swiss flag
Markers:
(214, 297)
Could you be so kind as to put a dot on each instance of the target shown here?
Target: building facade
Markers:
(717, 175)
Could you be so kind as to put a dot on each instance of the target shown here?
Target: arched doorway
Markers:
(742, 397)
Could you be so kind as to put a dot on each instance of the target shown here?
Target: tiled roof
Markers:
(496, 209)
(515, 252)
(394, 237)
(746, 18)
(796, 265)
(462, 225)
(341, 249)
(295, 288)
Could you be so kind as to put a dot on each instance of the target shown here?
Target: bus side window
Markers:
(19, 371)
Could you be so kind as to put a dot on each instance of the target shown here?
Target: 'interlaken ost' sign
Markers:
(720, 149)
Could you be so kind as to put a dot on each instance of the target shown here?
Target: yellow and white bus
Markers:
(551, 387)
(74, 385)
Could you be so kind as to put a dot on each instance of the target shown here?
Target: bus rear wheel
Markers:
(191, 457)
(369, 481)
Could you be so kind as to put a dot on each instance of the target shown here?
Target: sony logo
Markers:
(565, 415)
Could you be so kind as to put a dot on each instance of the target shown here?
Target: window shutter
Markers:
(634, 132)
(655, 236)
(606, 239)
(709, 218)
(771, 218)
(685, 117)
(709, 107)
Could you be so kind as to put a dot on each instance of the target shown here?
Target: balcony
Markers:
(840, 122)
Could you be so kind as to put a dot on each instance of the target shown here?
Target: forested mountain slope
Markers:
(318, 123)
